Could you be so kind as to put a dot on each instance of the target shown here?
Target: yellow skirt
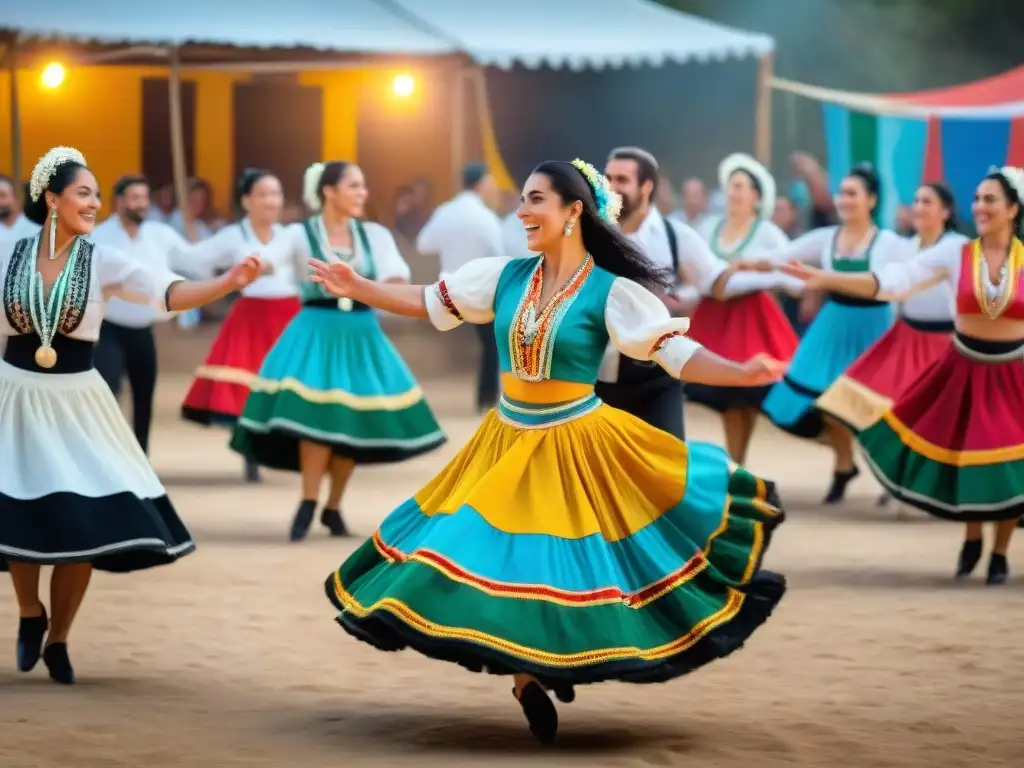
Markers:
(574, 542)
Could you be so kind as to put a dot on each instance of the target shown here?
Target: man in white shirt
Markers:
(13, 224)
(126, 344)
(644, 389)
(694, 203)
(459, 231)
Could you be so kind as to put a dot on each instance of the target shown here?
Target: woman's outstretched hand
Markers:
(753, 265)
(762, 369)
(243, 273)
(338, 278)
(812, 276)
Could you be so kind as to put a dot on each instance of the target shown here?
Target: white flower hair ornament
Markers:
(1015, 176)
(311, 185)
(48, 165)
(609, 202)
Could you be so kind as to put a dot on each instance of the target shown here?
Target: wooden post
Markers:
(11, 61)
(178, 167)
(763, 118)
(458, 137)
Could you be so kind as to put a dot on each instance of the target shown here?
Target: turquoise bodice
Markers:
(564, 341)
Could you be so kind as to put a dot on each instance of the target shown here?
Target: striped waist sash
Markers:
(541, 416)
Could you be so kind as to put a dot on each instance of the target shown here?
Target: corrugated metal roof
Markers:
(349, 26)
(579, 34)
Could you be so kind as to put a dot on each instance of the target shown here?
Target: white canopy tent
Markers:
(266, 35)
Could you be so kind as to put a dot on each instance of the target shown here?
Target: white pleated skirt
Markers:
(75, 486)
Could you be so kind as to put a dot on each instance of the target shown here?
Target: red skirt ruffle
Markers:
(739, 329)
(881, 375)
(221, 385)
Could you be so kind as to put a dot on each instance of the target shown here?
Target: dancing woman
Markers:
(255, 320)
(76, 489)
(741, 328)
(568, 542)
(844, 328)
(922, 335)
(952, 444)
(333, 391)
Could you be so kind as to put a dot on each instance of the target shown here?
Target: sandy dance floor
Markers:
(232, 658)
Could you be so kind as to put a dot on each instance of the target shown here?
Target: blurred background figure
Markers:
(459, 231)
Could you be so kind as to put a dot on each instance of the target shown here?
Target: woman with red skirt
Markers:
(256, 319)
(741, 328)
(952, 444)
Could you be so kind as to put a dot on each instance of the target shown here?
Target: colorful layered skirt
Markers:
(739, 329)
(860, 396)
(842, 331)
(953, 443)
(75, 486)
(221, 384)
(573, 542)
(334, 378)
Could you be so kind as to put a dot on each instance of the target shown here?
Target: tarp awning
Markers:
(578, 34)
(583, 34)
(1001, 96)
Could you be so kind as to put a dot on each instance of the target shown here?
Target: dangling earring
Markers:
(53, 234)
(567, 229)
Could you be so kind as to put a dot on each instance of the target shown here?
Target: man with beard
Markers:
(643, 388)
(126, 345)
(13, 224)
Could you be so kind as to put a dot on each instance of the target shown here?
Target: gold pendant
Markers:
(46, 357)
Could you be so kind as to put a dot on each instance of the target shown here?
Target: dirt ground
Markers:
(231, 657)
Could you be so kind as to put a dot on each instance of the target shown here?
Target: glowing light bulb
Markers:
(53, 75)
(403, 86)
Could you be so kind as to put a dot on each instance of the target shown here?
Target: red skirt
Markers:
(739, 329)
(953, 442)
(221, 385)
(879, 376)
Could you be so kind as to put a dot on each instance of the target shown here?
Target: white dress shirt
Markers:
(229, 247)
(461, 230)
(156, 247)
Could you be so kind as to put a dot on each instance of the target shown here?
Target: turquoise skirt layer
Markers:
(835, 339)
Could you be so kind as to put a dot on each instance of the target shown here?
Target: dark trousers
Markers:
(125, 351)
(648, 393)
(487, 375)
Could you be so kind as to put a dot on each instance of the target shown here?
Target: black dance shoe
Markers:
(332, 520)
(970, 554)
(56, 659)
(839, 482)
(565, 693)
(31, 632)
(540, 712)
(252, 472)
(303, 519)
(998, 570)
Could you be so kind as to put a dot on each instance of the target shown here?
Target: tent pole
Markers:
(11, 57)
(763, 115)
(458, 137)
(178, 168)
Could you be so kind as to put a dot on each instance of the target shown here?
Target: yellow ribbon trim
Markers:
(339, 396)
(1014, 263)
(225, 375)
(929, 450)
